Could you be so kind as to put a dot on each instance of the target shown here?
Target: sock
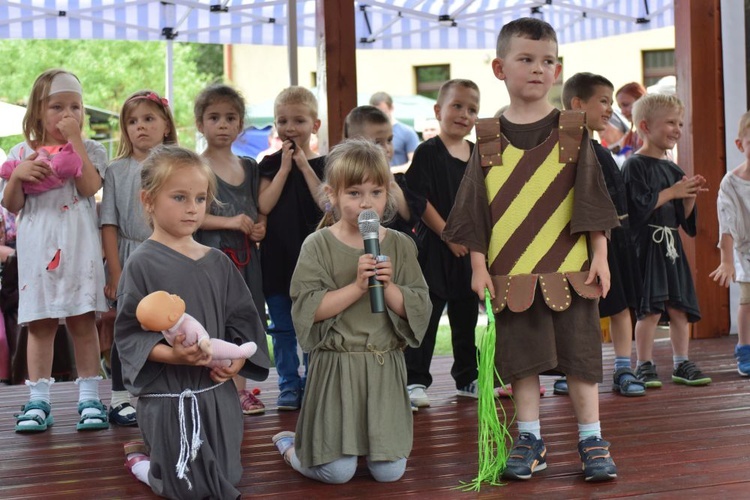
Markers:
(88, 389)
(118, 398)
(140, 469)
(38, 391)
(622, 362)
(677, 360)
(589, 430)
(534, 428)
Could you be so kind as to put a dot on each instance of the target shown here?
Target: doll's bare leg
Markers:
(226, 350)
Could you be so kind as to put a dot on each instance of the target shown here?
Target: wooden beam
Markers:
(701, 148)
(337, 65)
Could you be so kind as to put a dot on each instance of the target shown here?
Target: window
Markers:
(656, 65)
(431, 78)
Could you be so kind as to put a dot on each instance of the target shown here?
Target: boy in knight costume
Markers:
(534, 210)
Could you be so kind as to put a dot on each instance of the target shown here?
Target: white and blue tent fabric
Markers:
(389, 24)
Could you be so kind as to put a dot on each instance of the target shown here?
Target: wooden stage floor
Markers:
(677, 441)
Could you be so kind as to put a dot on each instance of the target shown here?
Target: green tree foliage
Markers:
(110, 71)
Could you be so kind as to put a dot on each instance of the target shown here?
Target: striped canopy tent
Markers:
(474, 24)
(389, 24)
(380, 24)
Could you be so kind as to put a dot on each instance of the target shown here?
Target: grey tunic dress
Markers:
(216, 295)
(355, 400)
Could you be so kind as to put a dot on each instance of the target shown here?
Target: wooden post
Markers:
(701, 148)
(337, 66)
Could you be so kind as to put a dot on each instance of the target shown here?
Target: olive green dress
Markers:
(355, 400)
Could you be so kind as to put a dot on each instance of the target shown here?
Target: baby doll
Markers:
(65, 163)
(160, 311)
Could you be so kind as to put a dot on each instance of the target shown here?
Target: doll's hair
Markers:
(297, 95)
(353, 162)
(360, 116)
(647, 107)
(164, 161)
(158, 104)
(33, 121)
(525, 27)
(219, 93)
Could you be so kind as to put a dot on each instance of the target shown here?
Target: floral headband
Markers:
(151, 96)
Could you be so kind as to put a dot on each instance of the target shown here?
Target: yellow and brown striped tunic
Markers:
(530, 195)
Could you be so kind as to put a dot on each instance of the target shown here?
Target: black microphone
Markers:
(369, 225)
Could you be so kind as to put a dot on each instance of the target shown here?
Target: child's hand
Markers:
(287, 151)
(723, 274)
(258, 232)
(457, 250)
(188, 355)
(480, 280)
(31, 170)
(599, 269)
(242, 222)
(365, 270)
(221, 374)
(689, 187)
(300, 159)
(70, 128)
(110, 288)
(384, 270)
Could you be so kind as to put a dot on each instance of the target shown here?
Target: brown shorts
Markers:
(540, 340)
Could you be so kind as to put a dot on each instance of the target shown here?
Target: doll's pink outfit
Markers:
(63, 160)
(222, 352)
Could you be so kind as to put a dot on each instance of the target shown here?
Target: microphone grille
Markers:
(368, 222)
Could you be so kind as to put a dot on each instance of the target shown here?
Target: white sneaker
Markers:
(469, 391)
(418, 395)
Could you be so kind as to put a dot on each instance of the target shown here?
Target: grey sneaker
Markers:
(646, 373)
(418, 395)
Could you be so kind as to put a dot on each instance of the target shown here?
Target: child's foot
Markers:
(123, 415)
(469, 391)
(250, 404)
(289, 400)
(284, 442)
(93, 416)
(646, 373)
(626, 383)
(418, 395)
(560, 387)
(526, 457)
(137, 460)
(742, 353)
(596, 462)
(36, 417)
(689, 374)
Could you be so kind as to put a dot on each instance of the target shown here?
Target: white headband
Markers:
(65, 82)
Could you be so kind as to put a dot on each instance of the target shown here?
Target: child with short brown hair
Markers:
(533, 213)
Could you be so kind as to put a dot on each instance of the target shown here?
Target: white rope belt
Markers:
(188, 448)
(664, 233)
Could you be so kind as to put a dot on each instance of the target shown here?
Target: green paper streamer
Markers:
(494, 440)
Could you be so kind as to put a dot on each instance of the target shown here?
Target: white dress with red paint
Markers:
(60, 268)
